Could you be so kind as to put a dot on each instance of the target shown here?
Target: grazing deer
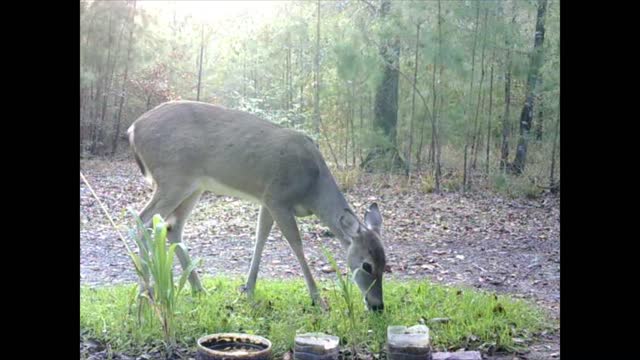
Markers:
(185, 148)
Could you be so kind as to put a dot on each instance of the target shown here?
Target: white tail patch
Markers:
(147, 174)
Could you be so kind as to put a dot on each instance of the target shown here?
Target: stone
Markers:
(458, 355)
(327, 269)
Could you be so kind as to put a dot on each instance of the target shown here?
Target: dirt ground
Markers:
(479, 240)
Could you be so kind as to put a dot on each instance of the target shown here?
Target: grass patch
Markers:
(281, 308)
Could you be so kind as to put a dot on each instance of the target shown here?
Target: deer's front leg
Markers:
(265, 222)
(287, 223)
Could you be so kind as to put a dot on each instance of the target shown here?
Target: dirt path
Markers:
(483, 241)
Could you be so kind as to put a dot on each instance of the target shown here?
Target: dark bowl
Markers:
(231, 346)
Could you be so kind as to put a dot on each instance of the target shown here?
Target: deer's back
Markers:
(225, 148)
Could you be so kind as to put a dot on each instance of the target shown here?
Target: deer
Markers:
(185, 148)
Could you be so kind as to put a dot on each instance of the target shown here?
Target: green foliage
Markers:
(154, 265)
(349, 294)
(265, 65)
(281, 309)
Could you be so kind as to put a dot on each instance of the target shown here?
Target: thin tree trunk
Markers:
(301, 73)
(527, 110)
(91, 109)
(326, 139)
(473, 62)
(475, 144)
(552, 182)
(420, 144)
(200, 63)
(481, 94)
(489, 118)
(504, 152)
(413, 100)
(289, 77)
(540, 111)
(431, 157)
(254, 73)
(346, 136)
(353, 131)
(244, 72)
(124, 81)
(105, 91)
(438, 170)
(316, 82)
(432, 147)
(361, 129)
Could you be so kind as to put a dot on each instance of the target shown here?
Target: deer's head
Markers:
(365, 256)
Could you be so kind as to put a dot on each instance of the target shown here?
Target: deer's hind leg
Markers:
(174, 204)
(176, 222)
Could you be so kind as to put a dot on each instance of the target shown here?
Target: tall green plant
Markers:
(349, 295)
(154, 265)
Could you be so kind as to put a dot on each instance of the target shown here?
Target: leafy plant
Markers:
(349, 294)
(154, 265)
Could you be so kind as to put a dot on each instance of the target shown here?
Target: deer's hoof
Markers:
(199, 290)
(322, 303)
(244, 289)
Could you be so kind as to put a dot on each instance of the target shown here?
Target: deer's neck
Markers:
(328, 205)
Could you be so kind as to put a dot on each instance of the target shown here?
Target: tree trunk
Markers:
(386, 102)
(486, 163)
(552, 182)
(244, 72)
(91, 109)
(475, 144)
(114, 146)
(111, 85)
(352, 116)
(438, 170)
(289, 77)
(431, 158)
(413, 99)
(200, 63)
(468, 108)
(346, 136)
(540, 111)
(361, 128)
(504, 151)
(420, 145)
(316, 80)
(104, 94)
(386, 105)
(527, 110)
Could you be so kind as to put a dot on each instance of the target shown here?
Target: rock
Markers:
(327, 269)
(439, 320)
(458, 355)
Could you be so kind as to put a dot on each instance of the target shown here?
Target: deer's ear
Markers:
(373, 219)
(350, 224)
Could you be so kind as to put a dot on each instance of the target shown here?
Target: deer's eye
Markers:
(367, 267)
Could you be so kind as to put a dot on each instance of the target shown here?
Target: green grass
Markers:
(280, 309)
